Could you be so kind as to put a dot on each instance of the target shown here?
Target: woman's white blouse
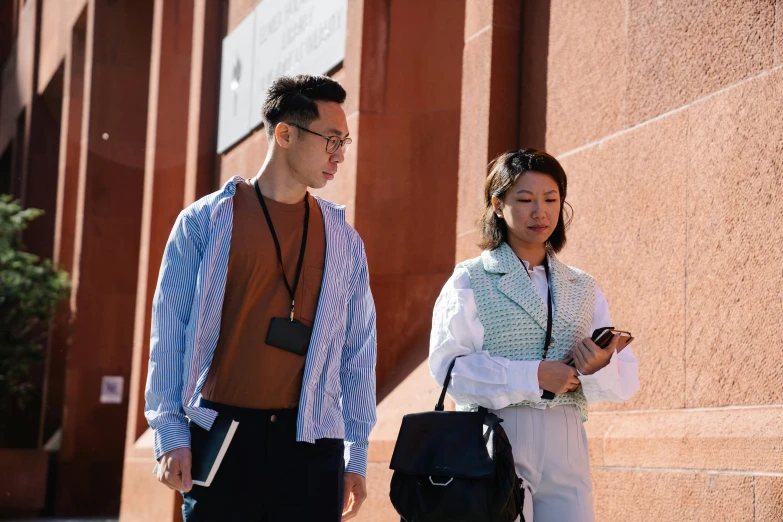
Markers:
(496, 382)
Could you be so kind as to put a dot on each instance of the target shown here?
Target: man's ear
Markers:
(283, 135)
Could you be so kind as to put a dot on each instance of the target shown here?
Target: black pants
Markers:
(267, 476)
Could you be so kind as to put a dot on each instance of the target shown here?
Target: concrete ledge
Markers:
(377, 507)
(418, 392)
(143, 497)
(629, 495)
(748, 439)
(23, 479)
(143, 449)
(707, 464)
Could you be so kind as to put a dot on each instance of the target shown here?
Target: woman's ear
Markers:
(497, 206)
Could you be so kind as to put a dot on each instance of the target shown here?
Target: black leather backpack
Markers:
(454, 466)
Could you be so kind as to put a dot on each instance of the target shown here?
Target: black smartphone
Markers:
(603, 337)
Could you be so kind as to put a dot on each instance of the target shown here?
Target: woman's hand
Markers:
(557, 377)
(589, 357)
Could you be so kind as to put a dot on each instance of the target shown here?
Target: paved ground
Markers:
(65, 520)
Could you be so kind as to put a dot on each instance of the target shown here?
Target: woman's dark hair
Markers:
(292, 99)
(504, 172)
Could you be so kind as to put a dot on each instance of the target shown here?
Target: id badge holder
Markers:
(289, 335)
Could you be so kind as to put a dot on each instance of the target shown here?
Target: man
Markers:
(263, 315)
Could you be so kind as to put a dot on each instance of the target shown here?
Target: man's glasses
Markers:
(332, 142)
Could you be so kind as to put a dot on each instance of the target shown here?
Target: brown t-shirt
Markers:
(246, 371)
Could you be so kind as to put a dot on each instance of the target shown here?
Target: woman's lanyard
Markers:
(548, 339)
(291, 291)
(547, 394)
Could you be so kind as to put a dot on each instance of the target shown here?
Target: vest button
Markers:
(273, 418)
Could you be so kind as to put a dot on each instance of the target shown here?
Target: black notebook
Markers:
(209, 447)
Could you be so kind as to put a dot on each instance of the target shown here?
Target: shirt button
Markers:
(273, 418)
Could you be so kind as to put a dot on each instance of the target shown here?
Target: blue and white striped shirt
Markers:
(338, 388)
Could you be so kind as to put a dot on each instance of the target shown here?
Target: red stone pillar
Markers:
(22, 88)
(180, 162)
(490, 105)
(42, 161)
(18, 40)
(533, 83)
(29, 133)
(65, 228)
(201, 163)
(108, 225)
(8, 20)
(407, 163)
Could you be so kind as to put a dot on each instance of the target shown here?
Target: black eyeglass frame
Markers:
(342, 143)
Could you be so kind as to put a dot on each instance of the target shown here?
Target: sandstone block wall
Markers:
(677, 206)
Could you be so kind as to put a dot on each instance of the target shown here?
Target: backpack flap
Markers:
(446, 444)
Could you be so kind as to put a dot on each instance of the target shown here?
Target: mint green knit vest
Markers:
(514, 316)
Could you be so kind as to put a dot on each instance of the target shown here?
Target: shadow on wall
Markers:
(416, 354)
(533, 74)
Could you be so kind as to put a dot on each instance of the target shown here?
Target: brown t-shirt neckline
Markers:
(245, 371)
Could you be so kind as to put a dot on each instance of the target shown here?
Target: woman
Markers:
(492, 315)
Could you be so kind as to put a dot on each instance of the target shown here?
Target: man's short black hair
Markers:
(292, 99)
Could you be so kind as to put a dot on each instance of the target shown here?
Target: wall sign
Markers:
(279, 37)
(111, 389)
(236, 76)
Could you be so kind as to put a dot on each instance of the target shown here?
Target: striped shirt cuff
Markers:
(170, 437)
(357, 458)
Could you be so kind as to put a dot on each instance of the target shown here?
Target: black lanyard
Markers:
(291, 291)
(548, 339)
(547, 394)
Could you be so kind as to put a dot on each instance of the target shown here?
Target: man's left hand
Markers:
(354, 495)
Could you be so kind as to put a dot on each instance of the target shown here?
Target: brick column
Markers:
(489, 122)
(108, 226)
(179, 168)
(42, 163)
(406, 164)
(64, 228)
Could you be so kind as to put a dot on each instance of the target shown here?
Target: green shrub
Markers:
(30, 287)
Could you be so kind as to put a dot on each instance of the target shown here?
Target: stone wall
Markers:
(668, 118)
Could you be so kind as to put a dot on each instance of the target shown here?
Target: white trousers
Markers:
(550, 452)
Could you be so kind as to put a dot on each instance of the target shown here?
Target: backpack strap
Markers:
(439, 406)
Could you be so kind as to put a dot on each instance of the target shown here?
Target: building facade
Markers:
(667, 116)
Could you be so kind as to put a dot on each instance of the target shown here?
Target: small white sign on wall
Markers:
(111, 389)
